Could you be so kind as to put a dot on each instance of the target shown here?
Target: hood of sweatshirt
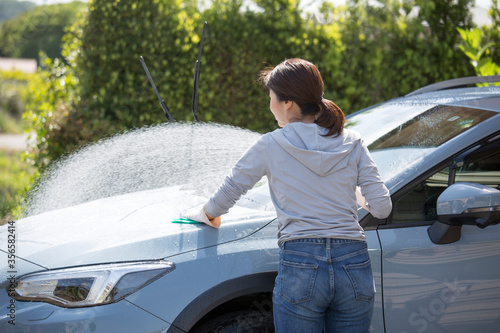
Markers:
(308, 145)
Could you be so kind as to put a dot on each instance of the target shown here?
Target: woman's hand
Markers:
(360, 199)
(200, 215)
(214, 220)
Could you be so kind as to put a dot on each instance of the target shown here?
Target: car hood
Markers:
(136, 226)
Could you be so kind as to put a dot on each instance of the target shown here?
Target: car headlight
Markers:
(89, 285)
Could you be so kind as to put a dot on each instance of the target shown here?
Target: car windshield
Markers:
(398, 134)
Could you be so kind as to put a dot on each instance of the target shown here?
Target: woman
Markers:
(314, 167)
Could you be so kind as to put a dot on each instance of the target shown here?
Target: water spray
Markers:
(162, 102)
(196, 80)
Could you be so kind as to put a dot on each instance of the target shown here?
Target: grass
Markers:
(10, 125)
(15, 175)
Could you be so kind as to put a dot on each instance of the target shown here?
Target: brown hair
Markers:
(299, 81)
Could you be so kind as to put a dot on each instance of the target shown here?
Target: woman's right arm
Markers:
(245, 174)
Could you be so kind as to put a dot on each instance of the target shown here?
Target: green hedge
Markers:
(366, 53)
(113, 85)
(239, 44)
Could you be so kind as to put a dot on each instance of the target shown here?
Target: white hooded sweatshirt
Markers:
(312, 181)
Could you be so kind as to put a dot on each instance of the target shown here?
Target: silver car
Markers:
(118, 264)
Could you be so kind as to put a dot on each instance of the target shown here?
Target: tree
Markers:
(38, 30)
(240, 43)
(388, 48)
(443, 18)
(473, 48)
(108, 41)
(12, 8)
(492, 32)
(367, 52)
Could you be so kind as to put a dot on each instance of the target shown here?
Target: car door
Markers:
(452, 287)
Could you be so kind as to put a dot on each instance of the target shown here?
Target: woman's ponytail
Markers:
(299, 81)
(330, 116)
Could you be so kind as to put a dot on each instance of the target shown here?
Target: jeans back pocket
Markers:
(361, 277)
(296, 281)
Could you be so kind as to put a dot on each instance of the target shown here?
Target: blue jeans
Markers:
(323, 284)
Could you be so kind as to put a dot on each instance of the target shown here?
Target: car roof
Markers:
(481, 97)
(458, 92)
(457, 83)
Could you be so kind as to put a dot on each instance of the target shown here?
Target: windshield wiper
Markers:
(162, 102)
(196, 80)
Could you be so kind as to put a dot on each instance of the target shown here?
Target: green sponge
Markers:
(185, 220)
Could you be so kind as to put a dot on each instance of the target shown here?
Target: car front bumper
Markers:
(39, 317)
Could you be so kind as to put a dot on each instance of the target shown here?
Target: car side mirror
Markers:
(464, 203)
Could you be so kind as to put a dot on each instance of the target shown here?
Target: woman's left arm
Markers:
(373, 189)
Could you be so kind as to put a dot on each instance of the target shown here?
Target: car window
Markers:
(419, 204)
(484, 171)
(398, 135)
(432, 128)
